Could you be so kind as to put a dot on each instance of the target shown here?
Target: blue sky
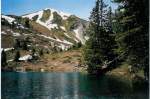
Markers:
(81, 8)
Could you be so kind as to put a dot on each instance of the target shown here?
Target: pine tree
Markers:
(111, 43)
(4, 59)
(17, 56)
(109, 19)
(134, 38)
(98, 14)
(98, 49)
(116, 24)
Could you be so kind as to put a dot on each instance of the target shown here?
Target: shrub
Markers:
(17, 56)
(4, 59)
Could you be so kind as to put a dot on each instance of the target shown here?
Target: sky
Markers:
(81, 8)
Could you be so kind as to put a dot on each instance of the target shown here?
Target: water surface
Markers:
(65, 86)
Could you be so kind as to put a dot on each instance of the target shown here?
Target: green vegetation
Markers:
(27, 23)
(76, 46)
(17, 44)
(98, 50)
(5, 22)
(39, 28)
(24, 46)
(3, 59)
(35, 18)
(33, 51)
(46, 15)
(24, 21)
(60, 34)
(133, 37)
(124, 40)
(17, 56)
(71, 23)
(57, 18)
(41, 53)
(69, 39)
(7, 41)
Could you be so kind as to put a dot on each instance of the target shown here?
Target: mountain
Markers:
(46, 29)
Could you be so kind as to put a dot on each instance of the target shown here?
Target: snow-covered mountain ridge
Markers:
(62, 14)
(53, 19)
(62, 29)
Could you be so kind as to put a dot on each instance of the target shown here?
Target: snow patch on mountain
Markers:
(21, 26)
(63, 28)
(79, 33)
(57, 40)
(86, 37)
(10, 60)
(30, 16)
(47, 37)
(67, 35)
(63, 47)
(26, 57)
(48, 24)
(64, 41)
(7, 49)
(16, 34)
(9, 19)
(3, 32)
(76, 40)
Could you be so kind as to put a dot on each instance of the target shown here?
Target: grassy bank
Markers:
(67, 61)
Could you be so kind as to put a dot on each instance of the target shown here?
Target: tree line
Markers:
(118, 37)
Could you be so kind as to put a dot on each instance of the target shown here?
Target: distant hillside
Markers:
(46, 28)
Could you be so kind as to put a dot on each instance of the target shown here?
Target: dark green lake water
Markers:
(65, 86)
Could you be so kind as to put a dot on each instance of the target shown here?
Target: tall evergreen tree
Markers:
(98, 14)
(109, 19)
(134, 39)
(97, 50)
(112, 46)
(3, 59)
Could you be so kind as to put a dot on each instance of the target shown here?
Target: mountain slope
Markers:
(35, 35)
(46, 28)
(69, 26)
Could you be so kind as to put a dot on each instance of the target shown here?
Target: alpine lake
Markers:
(74, 85)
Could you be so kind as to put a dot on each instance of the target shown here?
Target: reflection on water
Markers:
(65, 86)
